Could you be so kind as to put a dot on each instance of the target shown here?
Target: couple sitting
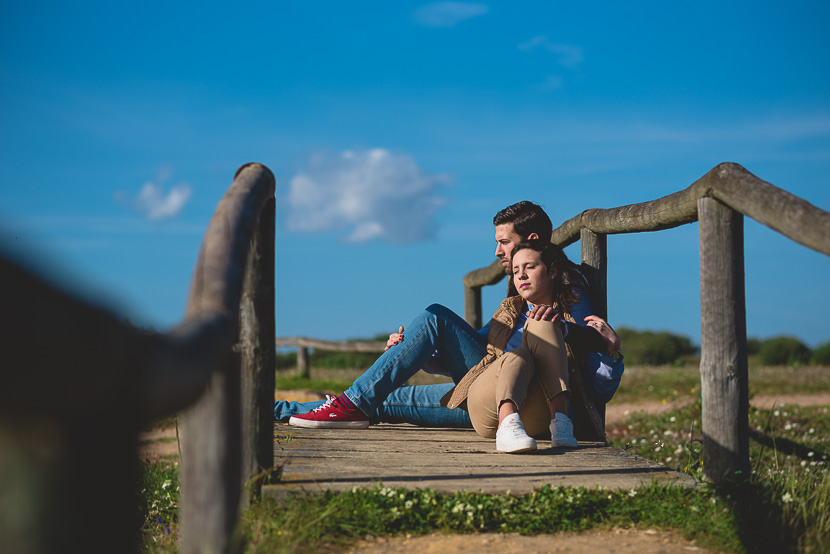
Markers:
(510, 379)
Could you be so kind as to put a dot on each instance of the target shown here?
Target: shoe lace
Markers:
(515, 428)
(327, 404)
(563, 425)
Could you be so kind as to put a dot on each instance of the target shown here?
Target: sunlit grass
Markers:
(783, 506)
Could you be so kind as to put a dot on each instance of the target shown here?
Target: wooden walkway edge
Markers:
(447, 460)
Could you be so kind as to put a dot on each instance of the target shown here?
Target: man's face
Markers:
(506, 241)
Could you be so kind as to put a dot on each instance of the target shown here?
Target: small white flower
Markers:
(810, 454)
(668, 459)
(787, 498)
(408, 505)
(632, 493)
(672, 419)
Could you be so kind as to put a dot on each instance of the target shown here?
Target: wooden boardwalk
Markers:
(449, 460)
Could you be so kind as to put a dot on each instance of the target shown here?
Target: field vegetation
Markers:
(783, 506)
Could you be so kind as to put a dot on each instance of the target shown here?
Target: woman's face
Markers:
(532, 279)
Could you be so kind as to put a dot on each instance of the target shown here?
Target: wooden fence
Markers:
(718, 201)
(77, 385)
(304, 343)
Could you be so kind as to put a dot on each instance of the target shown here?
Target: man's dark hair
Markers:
(527, 218)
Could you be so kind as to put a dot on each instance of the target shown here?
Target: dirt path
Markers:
(617, 541)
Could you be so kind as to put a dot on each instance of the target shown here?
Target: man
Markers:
(440, 341)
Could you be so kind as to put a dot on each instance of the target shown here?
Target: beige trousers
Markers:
(529, 376)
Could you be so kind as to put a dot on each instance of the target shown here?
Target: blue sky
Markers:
(396, 130)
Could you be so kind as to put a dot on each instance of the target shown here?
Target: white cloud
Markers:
(153, 202)
(448, 14)
(567, 55)
(367, 194)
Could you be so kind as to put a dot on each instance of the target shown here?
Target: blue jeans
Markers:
(420, 405)
(437, 328)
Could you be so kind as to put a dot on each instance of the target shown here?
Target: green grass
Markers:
(682, 381)
(158, 508)
(309, 522)
(784, 506)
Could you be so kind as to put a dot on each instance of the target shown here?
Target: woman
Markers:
(516, 393)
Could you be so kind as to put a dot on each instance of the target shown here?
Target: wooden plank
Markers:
(723, 362)
(448, 460)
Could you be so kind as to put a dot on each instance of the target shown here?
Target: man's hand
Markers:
(542, 312)
(394, 339)
(612, 340)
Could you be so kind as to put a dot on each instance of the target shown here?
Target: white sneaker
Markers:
(511, 436)
(562, 432)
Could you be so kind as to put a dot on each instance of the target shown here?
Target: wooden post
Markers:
(472, 307)
(589, 413)
(256, 338)
(302, 362)
(723, 363)
(211, 445)
(595, 268)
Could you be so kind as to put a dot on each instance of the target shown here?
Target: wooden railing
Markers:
(77, 385)
(717, 201)
(304, 343)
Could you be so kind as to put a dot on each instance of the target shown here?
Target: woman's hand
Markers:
(394, 339)
(543, 312)
(612, 339)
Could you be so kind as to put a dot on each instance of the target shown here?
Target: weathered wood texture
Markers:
(729, 183)
(66, 408)
(211, 437)
(472, 307)
(723, 358)
(595, 268)
(256, 341)
(729, 186)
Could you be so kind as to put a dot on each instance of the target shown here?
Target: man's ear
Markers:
(532, 236)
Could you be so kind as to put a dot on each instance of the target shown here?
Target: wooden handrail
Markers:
(333, 346)
(86, 382)
(729, 183)
(718, 200)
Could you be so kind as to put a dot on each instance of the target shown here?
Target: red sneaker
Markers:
(334, 414)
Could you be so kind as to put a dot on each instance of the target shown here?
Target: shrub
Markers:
(653, 348)
(753, 346)
(821, 355)
(784, 351)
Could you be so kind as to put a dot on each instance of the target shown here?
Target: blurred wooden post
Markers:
(472, 307)
(723, 362)
(595, 268)
(212, 439)
(302, 362)
(256, 338)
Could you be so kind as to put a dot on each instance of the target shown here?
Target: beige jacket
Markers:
(502, 325)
